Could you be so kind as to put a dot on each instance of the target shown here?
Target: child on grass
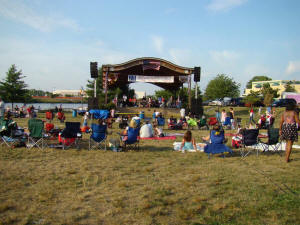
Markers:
(188, 142)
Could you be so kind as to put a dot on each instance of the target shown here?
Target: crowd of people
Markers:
(148, 102)
(289, 123)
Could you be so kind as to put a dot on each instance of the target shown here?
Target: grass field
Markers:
(153, 186)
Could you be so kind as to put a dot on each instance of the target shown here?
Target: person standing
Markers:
(251, 116)
(218, 116)
(288, 128)
(231, 114)
(223, 116)
(182, 112)
(2, 108)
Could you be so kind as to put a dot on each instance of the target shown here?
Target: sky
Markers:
(53, 41)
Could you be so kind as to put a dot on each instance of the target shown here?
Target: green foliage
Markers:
(252, 98)
(90, 85)
(34, 92)
(13, 88)
(257, 78)
(289, 88)
(166, 94)
(111, 93)
(182, 92)
(222, 86)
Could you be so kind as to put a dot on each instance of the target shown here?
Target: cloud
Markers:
(19, 12)
(293, 67)
(224, 5)
(180, 57)
(158, 43)
(64, 67)
(170, 11)
(224, 57)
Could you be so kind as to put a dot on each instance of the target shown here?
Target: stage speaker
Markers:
(93, 103)
(197, 74)
(197, 108)
(94, 69)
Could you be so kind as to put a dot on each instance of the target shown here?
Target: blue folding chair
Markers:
(217, 145)
(98, 137)
(160, 121)
(132, 138)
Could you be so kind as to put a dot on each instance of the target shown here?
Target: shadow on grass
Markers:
(152, 148)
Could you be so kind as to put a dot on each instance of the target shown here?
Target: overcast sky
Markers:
(53, 41)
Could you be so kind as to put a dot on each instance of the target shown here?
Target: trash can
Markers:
(142, 115)
(74, 113)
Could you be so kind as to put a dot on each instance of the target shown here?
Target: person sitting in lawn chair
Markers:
(130, 135)
(61, 116)
(192, 122)
(172, 122)
(216, 141)
(202, 123)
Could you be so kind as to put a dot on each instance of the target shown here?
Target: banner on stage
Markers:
(151, 79)
(184, 79)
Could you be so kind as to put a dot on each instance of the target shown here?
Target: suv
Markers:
(284, 102)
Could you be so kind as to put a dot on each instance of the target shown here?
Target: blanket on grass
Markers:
(158, 138)
(177, 146)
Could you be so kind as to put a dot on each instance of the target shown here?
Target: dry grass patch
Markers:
(153, 186)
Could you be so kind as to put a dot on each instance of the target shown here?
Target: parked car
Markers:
(206, 102)
(284, 102)
(226, 101)
(216, 102)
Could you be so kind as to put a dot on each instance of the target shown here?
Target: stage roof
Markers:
(148, 68)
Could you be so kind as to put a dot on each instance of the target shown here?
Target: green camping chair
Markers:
(36, 133)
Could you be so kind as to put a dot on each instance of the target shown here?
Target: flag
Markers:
(150, 65)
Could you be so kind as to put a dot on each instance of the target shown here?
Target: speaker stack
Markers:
(94, 69)
(197, 74)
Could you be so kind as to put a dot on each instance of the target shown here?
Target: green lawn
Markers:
(153, 186)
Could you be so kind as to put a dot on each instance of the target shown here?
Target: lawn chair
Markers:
(217, 145)
(273, 142)
(71, 135)
(7, 128)
(160, 121)
(49, 115)
(192, 123)
(131, 139)
(36, 134)
(171, 124)
(202, 123)
(250, 141)
(212, 121)
(98, 137)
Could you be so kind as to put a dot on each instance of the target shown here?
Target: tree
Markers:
(269, 93)
(13, 88)
(90, 85)
(252, 98)
(222, 86)
(257, 78)
(289, 88)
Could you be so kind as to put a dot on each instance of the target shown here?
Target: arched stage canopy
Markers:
(156, 71)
